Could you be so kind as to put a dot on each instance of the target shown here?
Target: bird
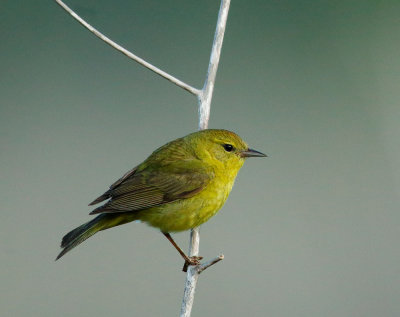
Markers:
(178, 187)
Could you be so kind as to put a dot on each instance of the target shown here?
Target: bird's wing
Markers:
(107, 194)
(154, 186)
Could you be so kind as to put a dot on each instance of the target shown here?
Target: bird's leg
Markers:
(193, 260)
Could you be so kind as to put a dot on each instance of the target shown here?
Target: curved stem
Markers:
(204, 98)
(124, 51)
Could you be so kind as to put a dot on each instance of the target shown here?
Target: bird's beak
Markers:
(252, 153)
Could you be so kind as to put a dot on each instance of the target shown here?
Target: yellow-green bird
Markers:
(178, 187)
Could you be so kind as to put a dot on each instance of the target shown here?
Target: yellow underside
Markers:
(186, 213)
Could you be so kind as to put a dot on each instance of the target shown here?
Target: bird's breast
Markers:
(188, 213)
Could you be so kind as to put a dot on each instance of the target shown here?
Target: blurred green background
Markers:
(313, 230)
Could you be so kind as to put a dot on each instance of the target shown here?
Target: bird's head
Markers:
(221, 148)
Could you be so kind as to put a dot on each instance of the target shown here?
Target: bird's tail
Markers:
(85, 231)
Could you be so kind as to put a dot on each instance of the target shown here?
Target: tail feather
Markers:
(80, 234)
(85, 231)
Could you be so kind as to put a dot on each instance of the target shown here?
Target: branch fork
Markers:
(204, 97)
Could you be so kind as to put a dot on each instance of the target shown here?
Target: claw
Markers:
(192, 260)
(195, 260)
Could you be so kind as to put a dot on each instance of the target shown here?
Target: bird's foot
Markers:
(191, 260)
(194, 260)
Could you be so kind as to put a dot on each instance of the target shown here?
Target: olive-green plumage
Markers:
(178, 187)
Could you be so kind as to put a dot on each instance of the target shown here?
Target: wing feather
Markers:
(155, 184)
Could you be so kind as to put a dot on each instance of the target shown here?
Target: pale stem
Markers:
(206, 93)
(124, 51)
(204, 114)
(204, 98)
(206, 265)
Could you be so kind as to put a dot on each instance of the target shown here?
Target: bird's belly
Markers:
(187, 213)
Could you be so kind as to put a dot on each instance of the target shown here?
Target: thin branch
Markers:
(191, 275)
(208, 88)
(206, 265)
(124, 51)
(204, 98)
(204, 114)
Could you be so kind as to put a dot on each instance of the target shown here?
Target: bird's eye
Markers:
(228, 147)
